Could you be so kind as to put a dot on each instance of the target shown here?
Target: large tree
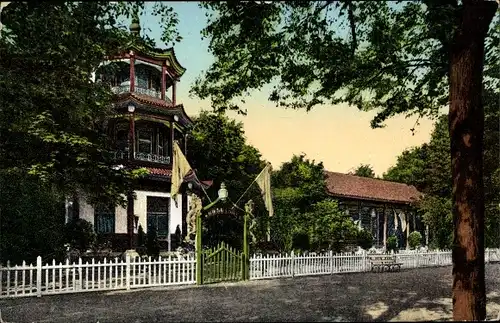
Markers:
(218, 150)
(297, 186)
(410, 168)
(410, 57)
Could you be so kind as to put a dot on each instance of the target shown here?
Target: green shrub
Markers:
(392, 243)
(141, 237)
(301, 241)
(141, 241)
(414, 239)
(80, 234)
(364, 239)
(152, 245)
(177, 238)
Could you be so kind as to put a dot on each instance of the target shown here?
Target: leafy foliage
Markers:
(297, 186)
(301, 241)
(392, 243)
(141, 241)
(304, 215)
(414, 239)
(410, 168)
(80, 234)
(364, 171)
(152, 244)
(299, 183)
(332, 229)
(373, 55)
(283, 226)
(364, 239)
(32, 220)
(220, 142)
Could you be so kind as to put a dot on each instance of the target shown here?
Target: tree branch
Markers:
(316, 12)
(352, 23)
(422, 63)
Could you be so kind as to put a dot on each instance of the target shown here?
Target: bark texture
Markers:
(466, 125)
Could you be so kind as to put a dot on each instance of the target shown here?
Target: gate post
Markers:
(245, 246)
(199, 253)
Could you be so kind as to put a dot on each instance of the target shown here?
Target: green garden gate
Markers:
(221, 262)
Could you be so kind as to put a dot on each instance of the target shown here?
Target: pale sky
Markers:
(339, 136)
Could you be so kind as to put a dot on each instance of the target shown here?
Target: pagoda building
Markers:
(148, 119)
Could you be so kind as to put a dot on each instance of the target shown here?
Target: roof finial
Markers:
(135, 27)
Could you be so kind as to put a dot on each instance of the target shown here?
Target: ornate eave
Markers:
(144, 103)
(161, 55)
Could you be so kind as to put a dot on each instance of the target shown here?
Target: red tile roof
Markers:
(371, 189)
(160, 171)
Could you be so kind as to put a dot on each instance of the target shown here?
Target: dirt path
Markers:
(411, 295)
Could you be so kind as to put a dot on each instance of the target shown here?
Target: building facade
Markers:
(384, 208)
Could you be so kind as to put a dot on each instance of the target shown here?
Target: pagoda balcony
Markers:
(120, 89)
(149, 92)
(153, 158)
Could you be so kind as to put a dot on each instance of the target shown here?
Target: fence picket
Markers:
(127, 271)
(31, 280)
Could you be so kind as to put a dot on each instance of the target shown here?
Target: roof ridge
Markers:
(368, 178)
(366, 188)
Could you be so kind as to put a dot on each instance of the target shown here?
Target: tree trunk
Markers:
(466, 125)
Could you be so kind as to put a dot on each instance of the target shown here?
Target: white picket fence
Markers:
(46, 279)
(290, 265)
(117, 274)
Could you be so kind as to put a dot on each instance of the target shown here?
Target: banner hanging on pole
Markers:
(264, 182)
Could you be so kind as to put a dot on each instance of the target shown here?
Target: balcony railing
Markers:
(126, 88)
(120, 89)
(149, 92)
(152, 158)
(122, 155)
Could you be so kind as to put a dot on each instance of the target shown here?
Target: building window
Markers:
(157, 215)
(152, 140)
(161, 141)
(145, 141)
(104, 219)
